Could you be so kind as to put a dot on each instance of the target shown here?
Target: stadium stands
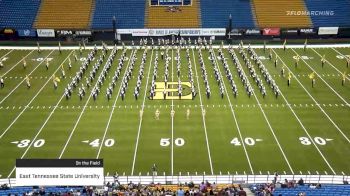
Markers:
(340, 9)
(183, 17)
(18, 14)
(323, 191)
(64, 14)
(292, 189)
(215, 14)
(272, 13)
(129, 14)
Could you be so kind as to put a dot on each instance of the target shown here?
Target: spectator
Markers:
(301, 182)
(180, 192)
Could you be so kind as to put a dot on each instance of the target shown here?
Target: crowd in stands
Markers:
(133, 189)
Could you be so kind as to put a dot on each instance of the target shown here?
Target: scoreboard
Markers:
(170, 2)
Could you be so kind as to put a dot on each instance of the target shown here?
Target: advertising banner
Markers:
(45, 32)
(328, 30)
(271, 31)
(26, 32)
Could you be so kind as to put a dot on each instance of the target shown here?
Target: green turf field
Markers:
(304, 130)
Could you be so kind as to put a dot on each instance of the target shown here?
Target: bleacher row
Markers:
(98, 14)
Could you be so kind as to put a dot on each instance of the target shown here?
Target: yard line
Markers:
(142, 109)
(82, 112)
(236, 122)
(17, 63)
(25, 108)
(324, 81)
(111, 114)
(204, 124)
(330, 63)
(346, 58)
(38, 133)
(302, 125)
(268, 123)
(172, 116)
(6, 54)
(24, 78)
(317, 104)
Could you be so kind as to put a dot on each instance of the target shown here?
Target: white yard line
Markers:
(25, 78)
(236, 122)
(203, 119)
(82, 112)
(111, 114)
(268, 123)
(324, 80)
(6, 54)
(13, 66)
(172, 116)
(317, 104)
(141, 118)
(38, 133)
(25, 108)
(329, 63)
(305, 130)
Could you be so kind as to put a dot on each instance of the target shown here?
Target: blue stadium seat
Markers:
(215, 13)
(129, 14)
(18, 14)
(341, 16)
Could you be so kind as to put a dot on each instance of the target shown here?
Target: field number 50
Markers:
(166, 142)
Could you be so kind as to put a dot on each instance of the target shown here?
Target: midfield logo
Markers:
(170, 91)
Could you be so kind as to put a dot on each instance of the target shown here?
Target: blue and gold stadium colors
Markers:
(98, 14)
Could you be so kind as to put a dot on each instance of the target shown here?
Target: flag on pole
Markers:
(305, 44)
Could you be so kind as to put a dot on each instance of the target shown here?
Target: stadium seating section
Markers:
(272, 13)
(216, 13)
(129, 14)
(325, 190)
(64, 14)
(340, 16)
(184, 17)
(18, 14)
(98, 14)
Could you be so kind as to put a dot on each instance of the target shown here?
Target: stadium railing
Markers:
(218, 179)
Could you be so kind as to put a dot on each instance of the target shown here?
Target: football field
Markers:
(304, 129)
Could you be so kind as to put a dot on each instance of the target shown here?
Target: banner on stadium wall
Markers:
(272, 31)
(140, 32)
(182, 32)
(328, 30)
(308, 31)
(26, 32)
(236, 32)
(289, 31)
(45, 32)
(252, 32)
(63, 32)
(83, 33)
(9, 31)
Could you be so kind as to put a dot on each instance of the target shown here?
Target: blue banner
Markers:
(27, 32)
